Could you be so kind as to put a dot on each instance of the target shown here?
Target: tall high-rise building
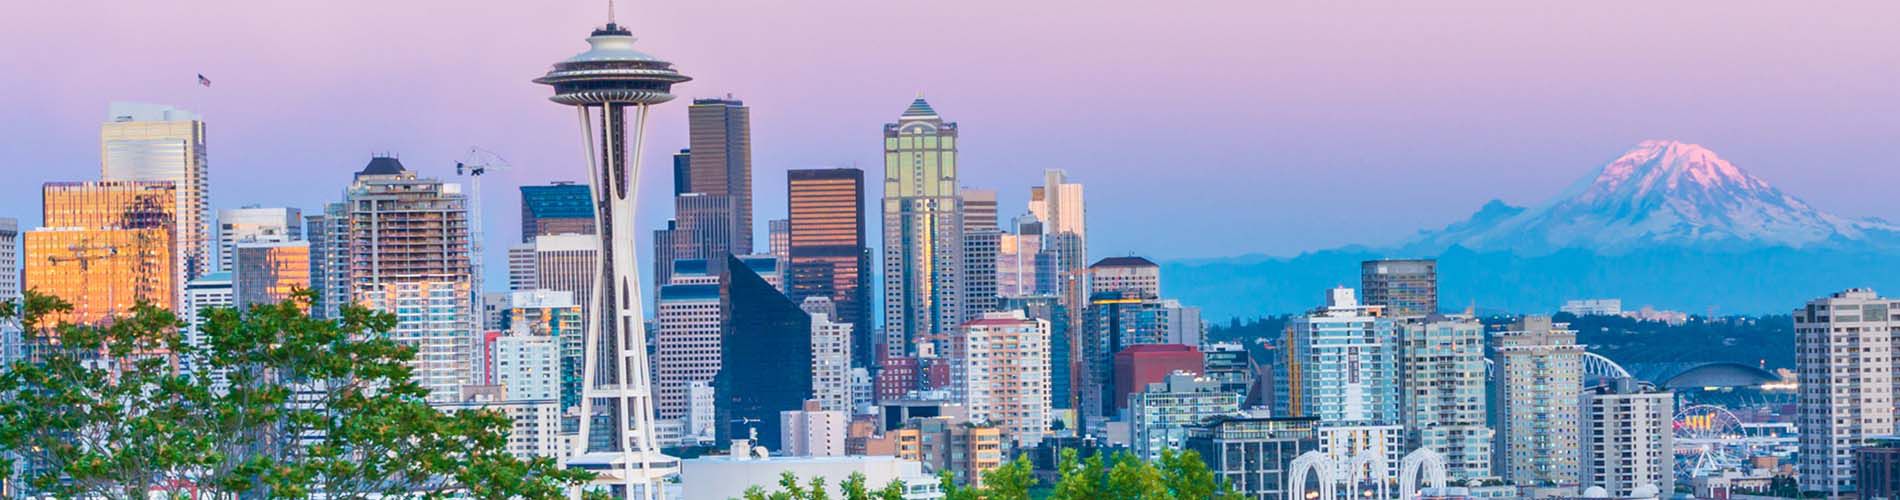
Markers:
(703, 227)
(154, 142)
(563, 262)
(1131, 273)
(607, 82)
(558, 208)
(827, 250)
(721, 162)
(1405, 287)
(210, 290)
(923, 230)
(1629, 439)
(1016, 251)
(1058, 204)
(105, 246)
(830, 356)
(1534, 400)
(1114, 322)
(663, 253)
(1340, 364)
(778, 238)
(760, 331)
(552, 313)
(999, 370)
(269, 272)
(1845, 356)
(1048, 308)
(982, 242)
(686, 344)
(329, 237)
(406, 251)
(683, 172)
(254, 224)
(1441, 396)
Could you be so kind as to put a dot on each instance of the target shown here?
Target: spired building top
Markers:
(611, 71)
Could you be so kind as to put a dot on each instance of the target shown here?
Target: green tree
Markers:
(1081, 479)
(853, 487)
(947, 482)
(1134, 479)
(1012, 481)
(893, 491)
(312, 407)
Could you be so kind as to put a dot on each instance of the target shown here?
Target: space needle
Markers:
(604, 85)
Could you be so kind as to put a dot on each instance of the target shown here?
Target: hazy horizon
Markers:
(1305, 125)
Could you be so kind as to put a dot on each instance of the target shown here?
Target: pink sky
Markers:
(1201, 128)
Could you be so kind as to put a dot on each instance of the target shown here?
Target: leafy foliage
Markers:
(1176, 476)
(277, 404)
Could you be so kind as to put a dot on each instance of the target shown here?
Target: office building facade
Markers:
(721, 164)
(557, 208)
(923, 230)
(1404, 287)
(827, 249)
(1442, 397)
(1000, 372)
(1535, 401)
(104, 247)
(1845, 347)
(1628, 438)
(255, 224)
(158, 143)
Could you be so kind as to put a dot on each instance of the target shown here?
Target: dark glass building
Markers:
(558, 208)
(828, 256)
(1407, 288)
(765, 356)
(721, 161)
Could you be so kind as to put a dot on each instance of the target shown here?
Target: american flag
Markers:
(204, 81)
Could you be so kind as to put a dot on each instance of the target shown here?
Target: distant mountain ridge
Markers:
(1666, 223)
(1658, 194)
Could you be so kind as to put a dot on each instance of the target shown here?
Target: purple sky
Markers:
(1201, 128)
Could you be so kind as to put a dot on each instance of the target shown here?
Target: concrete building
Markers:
(1254, 453)
(1230, 365)
(535, 430)
(103, 247)
(1000, 371)
(11, 341)
(1133, 274)
(724, 477)
(1845, 347)
(1593, 307)
(159, 143)
(558, 208)
(923, 230)
(1160, 415)
(982, 239)
(686, 344)
(1877, 468)
(1442, 400)
(528, 365)
(1404, 287)
(812, 431)
(406, 251)
(552, 314)
(210, 290)
(830, 356)
(1534, 402)
(1140, 366)
(563, 262)
(1116, 321)
(954, 444)
(1016, 252)
(1628, 438)
(827, 250)
(1062, 265)
(255, 224)
(778, 239)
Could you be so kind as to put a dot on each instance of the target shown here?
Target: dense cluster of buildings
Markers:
(996, 337)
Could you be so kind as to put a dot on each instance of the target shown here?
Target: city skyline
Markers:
(1296, 116)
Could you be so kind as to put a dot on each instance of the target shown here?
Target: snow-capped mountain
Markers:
(1659, 194)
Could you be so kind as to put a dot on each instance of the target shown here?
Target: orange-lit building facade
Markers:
(828, 254)
(104, 246)
(267, 273)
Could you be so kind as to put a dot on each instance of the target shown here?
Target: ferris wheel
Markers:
(1710, 439)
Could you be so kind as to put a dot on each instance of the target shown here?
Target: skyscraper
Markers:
(779, 239)
(982, 240)
(1000, 372)
(558, 208)
(1061, 370)
(703, 227)
(153, 142)
(1845, 347)
(762, 339)
(254, 224)
(1539, 368)
(1405, 287)
(406, 249)
(564, 262)
(721, 161)
(1629, 439)
(686, 344)
(1442, 398)
(552, 313)
(1016, 252)
(210, 290)
(830, 356)
(614, 78)
(105, 246)
(827, 249)
(923, 229)
(1340, 364)
(10, 339)
(1058, 204)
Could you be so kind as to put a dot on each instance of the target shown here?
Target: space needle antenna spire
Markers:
(610, 11)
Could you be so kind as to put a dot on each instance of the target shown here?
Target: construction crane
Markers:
(80, 254)
(476, 163)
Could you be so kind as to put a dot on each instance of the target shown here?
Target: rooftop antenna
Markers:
(610, 12)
